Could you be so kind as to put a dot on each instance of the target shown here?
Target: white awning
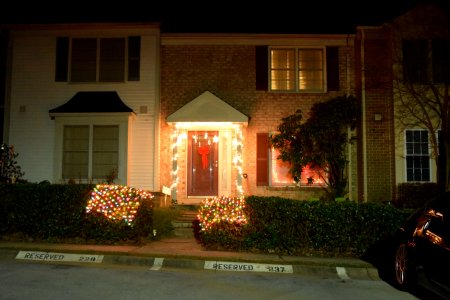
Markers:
(207, 108)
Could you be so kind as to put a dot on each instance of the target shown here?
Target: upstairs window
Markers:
(426, 61)
(297, 69)
(417, 155)
(97, 59)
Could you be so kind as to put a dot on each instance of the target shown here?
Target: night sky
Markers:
(232, 16)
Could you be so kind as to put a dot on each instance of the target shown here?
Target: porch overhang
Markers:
(92, 103)
(207, 108)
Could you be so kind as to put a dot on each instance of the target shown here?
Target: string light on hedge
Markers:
(117, 202)
(221, 209)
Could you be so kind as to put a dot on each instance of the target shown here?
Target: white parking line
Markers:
(342, 273)
(248, 267)
(59, 257)
(157, 264)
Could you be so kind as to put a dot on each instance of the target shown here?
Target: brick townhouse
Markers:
(204, 74)
(191, 113)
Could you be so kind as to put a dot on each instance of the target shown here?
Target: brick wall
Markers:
(229, 72)
(374, 71)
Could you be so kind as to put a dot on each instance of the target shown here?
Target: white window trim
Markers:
(119, 119)
(298, 91)
(406, 156)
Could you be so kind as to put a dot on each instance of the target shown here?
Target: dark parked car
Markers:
(422, 249)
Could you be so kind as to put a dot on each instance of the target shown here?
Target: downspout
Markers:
(6, 34)
(349, 131)
(157, 120)
(363, 111)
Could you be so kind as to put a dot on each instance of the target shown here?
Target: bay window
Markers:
(90, 151)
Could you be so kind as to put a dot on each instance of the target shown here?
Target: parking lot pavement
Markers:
(188, 253)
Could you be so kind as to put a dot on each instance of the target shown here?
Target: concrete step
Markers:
(187, 217)
(184, 232)
(183, 226)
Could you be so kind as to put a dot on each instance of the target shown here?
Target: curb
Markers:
(158, 262)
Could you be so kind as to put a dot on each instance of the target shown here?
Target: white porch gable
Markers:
(207, 108)
(210, 113)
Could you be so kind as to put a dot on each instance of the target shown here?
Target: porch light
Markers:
(179, 136)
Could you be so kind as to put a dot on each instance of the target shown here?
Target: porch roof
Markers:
(207, 108)
(93, 102)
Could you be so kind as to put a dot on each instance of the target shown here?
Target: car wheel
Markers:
(401, 267)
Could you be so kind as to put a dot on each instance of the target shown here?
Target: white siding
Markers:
(33, 92)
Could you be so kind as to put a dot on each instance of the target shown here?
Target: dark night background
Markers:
(289, 17)
(232, 16)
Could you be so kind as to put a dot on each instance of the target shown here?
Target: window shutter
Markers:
(332, 69)
(261, 57)
(441, 61)
(262, 159)
(134, 58)
(62, 59)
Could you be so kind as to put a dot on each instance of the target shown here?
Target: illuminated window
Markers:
(312, 177)
(280, 175)
(90, 151)
(297, 69)
(279, 170)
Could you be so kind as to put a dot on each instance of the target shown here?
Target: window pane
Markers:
(279, 170)
(84, 60)
(415, 54)
(418, 168)
(105, 151)
(283, 59)
(312, 177)
(282, 66)
(282, 80)
(112, 59)
(310, 66)
(75, 152)
(417, 142)
(311, 80)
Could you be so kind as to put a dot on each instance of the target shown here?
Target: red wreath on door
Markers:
(204, 151)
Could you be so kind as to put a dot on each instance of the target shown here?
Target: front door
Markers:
(203, 163)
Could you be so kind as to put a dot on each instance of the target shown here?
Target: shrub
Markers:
(286, 226)
(221, 222)
(415, 195)
(58, 212)
(10, 171)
